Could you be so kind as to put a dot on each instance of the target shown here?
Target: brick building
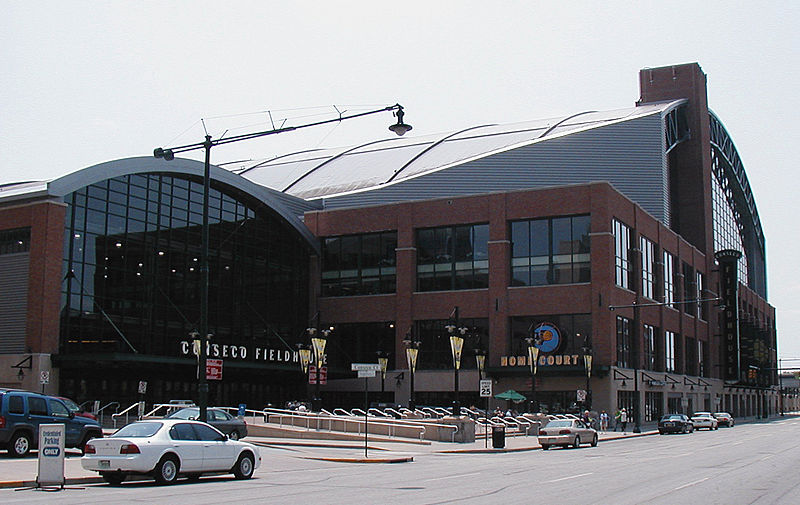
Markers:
(601, 238)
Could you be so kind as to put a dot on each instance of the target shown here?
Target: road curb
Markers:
(32, 483)
(405, 459)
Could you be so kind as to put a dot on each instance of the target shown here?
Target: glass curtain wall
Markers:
(132, 245)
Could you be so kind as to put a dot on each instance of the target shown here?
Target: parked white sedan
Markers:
(704, 420)
(566, 432)
(167, 448)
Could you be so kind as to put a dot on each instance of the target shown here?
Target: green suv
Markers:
(21, 413)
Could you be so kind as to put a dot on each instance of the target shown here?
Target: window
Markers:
(15, 241)
(649, 339)
(182, 431)
(453, 258)
(359, 264)
(15, 405)
(653, 402)
(669, 279)
(702, 358)
(623, 342)
(550, 251)
(702, 307)
(689, 290)
(435, 352)
(669, 351)
(58, 409)
(691, 356)
(648, 267)
(622, 251)
(37, 406)
(207, 433)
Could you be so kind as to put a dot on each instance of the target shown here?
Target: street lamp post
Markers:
(412, 351)
(534, 341)
(457, 336)
(587, 361)
(383, 361)
(318, 342)
(400, 128)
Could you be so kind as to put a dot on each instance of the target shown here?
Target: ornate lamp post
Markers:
(383, 361)
(305, 358)
(587, 361)
(412, 351)
(534, 341)
(480, 361)
(457, 336)
(318, 342)
(400, 128)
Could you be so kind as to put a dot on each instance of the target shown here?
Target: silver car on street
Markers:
(566, 433)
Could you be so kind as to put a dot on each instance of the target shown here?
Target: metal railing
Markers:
(101, 411)
(115, 416)
(318, 421)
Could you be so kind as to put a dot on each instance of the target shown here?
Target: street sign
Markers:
(366, 373)
(142, 387)
(214, 369)
(356, 367)
(486, 388)
(581, 395)
(44, 377)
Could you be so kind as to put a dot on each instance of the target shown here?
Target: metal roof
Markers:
(327, 172)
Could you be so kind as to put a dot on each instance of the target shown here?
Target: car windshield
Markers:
(185, 414)
(724, 414)
(70, 404)
(145, 429)
(671, 418)
(559, 424)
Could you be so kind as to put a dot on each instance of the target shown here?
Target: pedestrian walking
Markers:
(603, 421)
(617, 421)
(623, 418)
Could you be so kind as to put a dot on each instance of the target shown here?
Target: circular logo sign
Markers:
(549, 337)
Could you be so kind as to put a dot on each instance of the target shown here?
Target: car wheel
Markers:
(545, 447)
(577, 442)
(234, 435)
(20, 445)
(594, 441)
(166, 471)
(244, 466)
(113, 478)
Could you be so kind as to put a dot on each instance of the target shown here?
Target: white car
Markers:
(705, 420)
(167, 448)
(566, 432)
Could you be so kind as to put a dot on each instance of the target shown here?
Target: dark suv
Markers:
(21, 413)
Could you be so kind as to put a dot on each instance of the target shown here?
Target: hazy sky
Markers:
(87, 82)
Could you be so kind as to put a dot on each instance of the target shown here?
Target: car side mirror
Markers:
(71, 415)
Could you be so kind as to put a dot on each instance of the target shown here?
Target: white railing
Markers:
(126, 413)
(308, 419)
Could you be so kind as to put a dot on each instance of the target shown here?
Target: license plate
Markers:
(104, 463)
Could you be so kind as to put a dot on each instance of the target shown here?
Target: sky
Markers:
(83, 82)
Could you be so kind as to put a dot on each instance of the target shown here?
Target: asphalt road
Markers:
(749, 464)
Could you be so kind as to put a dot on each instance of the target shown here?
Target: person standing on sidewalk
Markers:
(603, 421)
(623, 418)
(617, 420)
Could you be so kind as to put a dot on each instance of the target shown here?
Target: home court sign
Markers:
(241, 352)
(549, 340)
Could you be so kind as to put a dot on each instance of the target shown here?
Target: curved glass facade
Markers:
(726, 231)
(132, 245)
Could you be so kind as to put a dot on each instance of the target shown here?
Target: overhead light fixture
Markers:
(400, 128)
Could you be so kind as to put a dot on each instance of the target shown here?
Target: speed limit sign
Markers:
(486, 388)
